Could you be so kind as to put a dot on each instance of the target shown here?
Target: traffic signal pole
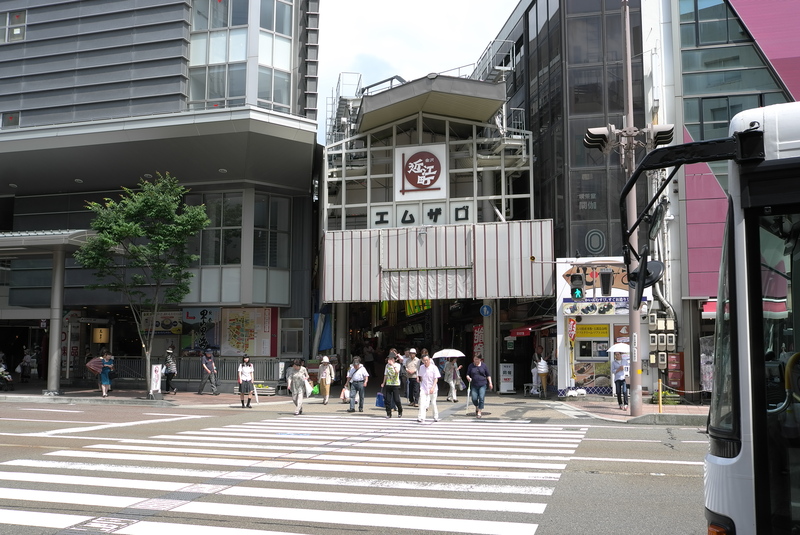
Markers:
(629, 157)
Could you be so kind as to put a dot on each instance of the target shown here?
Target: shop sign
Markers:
(592, 331)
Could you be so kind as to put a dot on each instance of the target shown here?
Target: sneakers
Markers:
(455, 401)
(622, 407)
(625, 408)
(400, 415)
(351, 410)
(420, 420)
(388, 416)
(296, 413)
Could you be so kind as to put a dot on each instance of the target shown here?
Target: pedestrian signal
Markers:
(576, 283)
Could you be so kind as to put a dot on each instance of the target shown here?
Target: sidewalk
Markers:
(599, 407)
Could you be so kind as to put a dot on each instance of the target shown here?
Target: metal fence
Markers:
(190, 368)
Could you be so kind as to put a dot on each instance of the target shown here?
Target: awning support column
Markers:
(56, 313)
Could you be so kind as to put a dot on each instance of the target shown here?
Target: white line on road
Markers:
(397, 484)
(46, 421)
(50, 496)
(49, 478)
(362, 499)
(115, 468)
(48, 410)
(111, 426)
(43, 520)
(645, 461)
(417, 471)
(149, 528)
(207, 461)
(353, 519)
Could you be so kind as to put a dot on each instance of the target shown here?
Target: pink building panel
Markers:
(705, 235)
(703, 284)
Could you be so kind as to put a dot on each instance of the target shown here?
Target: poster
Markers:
(251, 331)
(200, 327)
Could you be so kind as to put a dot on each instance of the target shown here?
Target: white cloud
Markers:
(379, 39)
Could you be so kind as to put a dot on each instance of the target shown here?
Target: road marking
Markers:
(645, 461)
(416, 460)
(121, 468)
(110, 426)
(50, 410)
(43, 520)
(415, 485)
(66, 422)
(425, 502)
(209, 461)
(353, 518)
(33, 477)
(52, 496)
(417, 471)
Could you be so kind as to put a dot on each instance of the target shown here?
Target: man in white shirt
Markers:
(357, 378)
(412, 367)
(428, 378)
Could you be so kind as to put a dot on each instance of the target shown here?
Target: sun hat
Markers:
(325, 359)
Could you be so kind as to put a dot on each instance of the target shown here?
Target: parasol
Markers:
(448, 353)
(619, 347)
(95, 365)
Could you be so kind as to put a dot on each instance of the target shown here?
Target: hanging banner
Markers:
(477, 341)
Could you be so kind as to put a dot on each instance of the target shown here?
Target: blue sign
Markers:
(486, 311)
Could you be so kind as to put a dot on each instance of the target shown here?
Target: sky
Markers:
(409, 38)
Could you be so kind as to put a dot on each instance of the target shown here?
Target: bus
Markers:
(752, 468)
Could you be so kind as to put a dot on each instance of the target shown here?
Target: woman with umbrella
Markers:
(452, 378)
(105, 373)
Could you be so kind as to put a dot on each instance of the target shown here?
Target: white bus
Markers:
(752, 469)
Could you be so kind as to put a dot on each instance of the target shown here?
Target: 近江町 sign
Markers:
(420, 173)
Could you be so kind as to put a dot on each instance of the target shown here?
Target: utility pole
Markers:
(629, 163)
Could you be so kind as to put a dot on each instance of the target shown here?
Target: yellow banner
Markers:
(592, 331)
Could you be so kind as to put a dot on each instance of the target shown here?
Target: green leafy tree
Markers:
(140, 248)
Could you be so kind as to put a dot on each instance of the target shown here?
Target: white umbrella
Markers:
(620, 347)
(448, 353)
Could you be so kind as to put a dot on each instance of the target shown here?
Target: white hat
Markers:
(325, 359)
(412, 350)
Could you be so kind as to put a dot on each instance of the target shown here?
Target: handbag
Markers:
(18, 369)
(309, 388)
(379, 402)
(461, 385)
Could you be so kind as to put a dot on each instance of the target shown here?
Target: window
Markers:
(275, 55)
(220, 242)
(12, 26)
(10, 119)
(218, 53)
(271, 232)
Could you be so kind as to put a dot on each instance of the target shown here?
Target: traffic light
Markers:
(602, 138)
(606, 281)
(576, 283)
(659, 134)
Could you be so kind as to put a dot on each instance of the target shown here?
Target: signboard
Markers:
(477, 341)
(572, 326)
(486, 311)
(592, 331)
(506, 378)
(155, 379)
(420, 173)
(251, 331)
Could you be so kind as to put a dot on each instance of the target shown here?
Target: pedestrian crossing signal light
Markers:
(576, 283)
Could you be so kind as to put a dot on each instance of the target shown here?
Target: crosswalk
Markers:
(315, 474)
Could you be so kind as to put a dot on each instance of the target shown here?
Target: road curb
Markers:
(70, 400)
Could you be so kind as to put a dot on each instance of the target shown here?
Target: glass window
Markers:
(584, 40)
(236, 79)
(586, 89)
(282, 57)
(729, 57)
(589, 195)
(216, 82)
(200, 15)
(265, 83)
(265, 48)
(687, 10)
(197, 84)
(267, 15)
(238, 45)
(232, 242)
(691, 110)
(218, 51)
(219, 13)
(210, 247)
(283, 18)
(711, 9)
(614, 45)
(715, 31)
(279, 214)
(688, 35)
(581, 6)
(232, 210)
(616, 90)
(260, 247)
(260, 212)
(198, 49)
(278, 250)
(239, 12)
(282, 91)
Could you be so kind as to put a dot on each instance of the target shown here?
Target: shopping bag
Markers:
(309, 389)
(18, 369)
(379, 400)
(315, 390)
(461, 385)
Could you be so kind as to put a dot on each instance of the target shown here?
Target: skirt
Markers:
(246, 387)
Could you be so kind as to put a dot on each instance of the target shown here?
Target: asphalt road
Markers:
(130, 470)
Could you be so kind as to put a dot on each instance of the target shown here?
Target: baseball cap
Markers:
(209, 351)
(412, 350)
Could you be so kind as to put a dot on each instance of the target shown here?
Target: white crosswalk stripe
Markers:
(298, 475)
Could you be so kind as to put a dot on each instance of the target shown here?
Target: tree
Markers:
(140, 248)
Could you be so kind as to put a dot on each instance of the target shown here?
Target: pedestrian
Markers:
(325, 377)
(246, 381)
(479, 378)
(369, 357)
(170, 370)
(618, 371)
(25, 367)
(428, 378)
(403, 374)
(297, 380)
(105, 373)
(412, 368)
(391, 386)
(209, 371)
(453, 378)
(543, 370)
(357, 378)
(537, 356)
